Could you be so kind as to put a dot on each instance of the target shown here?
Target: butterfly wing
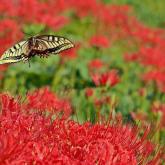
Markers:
(52, 44)
(16, 53)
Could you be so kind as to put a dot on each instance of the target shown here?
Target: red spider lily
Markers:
(40, 12)
(83, 8)
(95, 64)
(36, 10)
(56, 22)
(113, 14)
(60, 5)
(44, 99)
(7, 9)
(43, 12)
(147, 35)
(52, 19)
(35, 139)
(9, 103)
(152, 56)
(131, 57)
(115, 20)
(158, 77)
(100, 41)
(89, 92)
(109, 78)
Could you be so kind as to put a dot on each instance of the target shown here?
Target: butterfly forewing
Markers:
(53, 44)
(15, 53)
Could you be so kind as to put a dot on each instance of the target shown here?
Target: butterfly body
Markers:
(41, 46)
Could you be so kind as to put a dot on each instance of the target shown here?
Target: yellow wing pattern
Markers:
(15, 53)
(53, 44)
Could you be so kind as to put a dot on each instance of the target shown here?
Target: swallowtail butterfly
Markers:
(41, 45)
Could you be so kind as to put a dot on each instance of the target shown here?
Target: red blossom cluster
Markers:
(109, 78)
(83, 8)
(101, 75)
(96, 64)
(30, 137)
(40, 12)
(118, 23)
(154, 59)
(100, 41)
(52, 14)
(43, 99)
(89, 92)
(113, 20)
(151, 44)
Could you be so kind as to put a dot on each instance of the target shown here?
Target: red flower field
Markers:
(27, 135)
(101, 102)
